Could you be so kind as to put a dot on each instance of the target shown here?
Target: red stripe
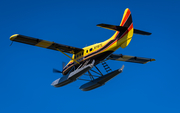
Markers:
(126, 17)
(130, 27)
(116, 34)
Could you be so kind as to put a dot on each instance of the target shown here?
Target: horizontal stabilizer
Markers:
(136, 31)
(127, 58)
(121, 28)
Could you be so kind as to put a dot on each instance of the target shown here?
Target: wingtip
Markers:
(153, 60)
(13, 37)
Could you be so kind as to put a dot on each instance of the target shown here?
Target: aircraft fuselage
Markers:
(100, 51)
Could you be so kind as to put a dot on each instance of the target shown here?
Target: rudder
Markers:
(127, 23)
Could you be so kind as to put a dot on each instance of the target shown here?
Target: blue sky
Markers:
(26, 71)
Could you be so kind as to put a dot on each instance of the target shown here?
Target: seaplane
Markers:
(84, 59)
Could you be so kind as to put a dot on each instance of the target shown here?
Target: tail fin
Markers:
(127, 18)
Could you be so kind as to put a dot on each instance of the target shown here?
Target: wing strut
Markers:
(68, 56)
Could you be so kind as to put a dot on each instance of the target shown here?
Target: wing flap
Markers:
(127, 58)
(44, 44)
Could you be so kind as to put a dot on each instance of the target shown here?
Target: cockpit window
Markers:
(90, 49)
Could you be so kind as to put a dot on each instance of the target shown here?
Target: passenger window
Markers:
(90, 49)
(87, 51)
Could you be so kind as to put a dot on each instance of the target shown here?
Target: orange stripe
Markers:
(126, 17)
(116, 34)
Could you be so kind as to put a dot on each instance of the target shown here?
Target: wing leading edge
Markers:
(44, 44)
(126, 58)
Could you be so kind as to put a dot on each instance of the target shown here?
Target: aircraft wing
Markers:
(126, 58)
(44, 44)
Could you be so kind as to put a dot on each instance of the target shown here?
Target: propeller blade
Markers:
(56, 71)
(63, 64)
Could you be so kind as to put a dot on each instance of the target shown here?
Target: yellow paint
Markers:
(126, 39)
(44, 44)
(13, 37)
(94, 48)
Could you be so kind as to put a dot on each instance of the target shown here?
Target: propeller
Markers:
(57, 71)
(63, 65)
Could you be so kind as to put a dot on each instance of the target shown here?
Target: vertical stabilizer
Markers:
(127, 22)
